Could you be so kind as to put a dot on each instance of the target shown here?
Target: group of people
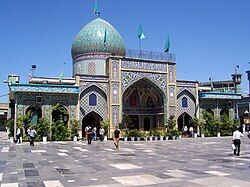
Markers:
(31, 132)
(91, 134)
(188, 131)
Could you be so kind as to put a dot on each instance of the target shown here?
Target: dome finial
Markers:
(96, 10)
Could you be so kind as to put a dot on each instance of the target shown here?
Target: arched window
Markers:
(184, 102)
(92, 100)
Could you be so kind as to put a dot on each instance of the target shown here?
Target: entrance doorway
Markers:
(93, 120)
(184, 120)
(146, 123)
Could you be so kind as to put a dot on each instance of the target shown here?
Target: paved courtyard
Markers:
(184, 162)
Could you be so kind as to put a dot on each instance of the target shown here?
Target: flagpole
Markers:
(140, 45)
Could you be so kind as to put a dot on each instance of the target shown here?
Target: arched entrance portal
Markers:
(224, 112)
(146, 123)
(144, 99)
(34, 113)
(59, 112)
(93, 120)
(184, 120)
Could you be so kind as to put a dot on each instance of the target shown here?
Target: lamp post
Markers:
(33, 68)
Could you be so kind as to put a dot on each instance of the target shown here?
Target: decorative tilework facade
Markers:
(132, 64)
(101, 107)
(128, 78)
(191, 103)
(25, 100)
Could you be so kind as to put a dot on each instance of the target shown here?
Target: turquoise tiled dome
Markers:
(98, 36)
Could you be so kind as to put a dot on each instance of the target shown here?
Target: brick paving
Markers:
(183, 162)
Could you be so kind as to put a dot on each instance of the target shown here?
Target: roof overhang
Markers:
(44, 88)
(219, 95)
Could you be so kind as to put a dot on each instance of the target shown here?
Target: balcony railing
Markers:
(150, 55)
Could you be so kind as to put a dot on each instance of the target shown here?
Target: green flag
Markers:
(61, 76)
(167, 46)
(140, 33)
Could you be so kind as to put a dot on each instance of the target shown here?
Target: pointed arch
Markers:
(187, 93)
(97, 94)
(34, 112)
(153, 84)
(92, 119)
(60, 112)
(184, 120)
(144, 98)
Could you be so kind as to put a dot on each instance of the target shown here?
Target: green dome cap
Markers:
(98, 36)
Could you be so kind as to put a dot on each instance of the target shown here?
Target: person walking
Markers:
(89, 136)
(18, 135)
(86, 131)
(236, 141)
(32, 136)
(94, 133)
(101, 133)
(191, 131)
(116, 138)
(28, 132)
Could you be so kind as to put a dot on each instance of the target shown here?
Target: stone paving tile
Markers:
(164, 163)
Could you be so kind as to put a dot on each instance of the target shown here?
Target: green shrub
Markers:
(105, 124)
(156, 133)
(134, 133)
(60, 131)
(10, 126)
(42, 128)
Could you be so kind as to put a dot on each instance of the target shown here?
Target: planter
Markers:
(44, 139)
(75, 138)
(202, 135)
(132, 138)
(155, 137)
(105, 138)
(125, 139)
(150, 138)
(145, 138)
(173, 137)
(218, 134)
(195, 135)
(138, 138)
(161, 137)
(179, 137)
(166, 137)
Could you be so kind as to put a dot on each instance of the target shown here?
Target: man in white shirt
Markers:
(101, 133)
(32, 136)
(86, 131)
(18, 134)
(236, 141)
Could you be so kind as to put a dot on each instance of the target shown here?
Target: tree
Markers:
(74, 124)
(198, 123)
(105, 124)
(10, 126)
(58, 112)
(228, 125)
(59, 131)
(42, 128)
(171, 123)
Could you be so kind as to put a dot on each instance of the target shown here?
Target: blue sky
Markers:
(208, 37)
